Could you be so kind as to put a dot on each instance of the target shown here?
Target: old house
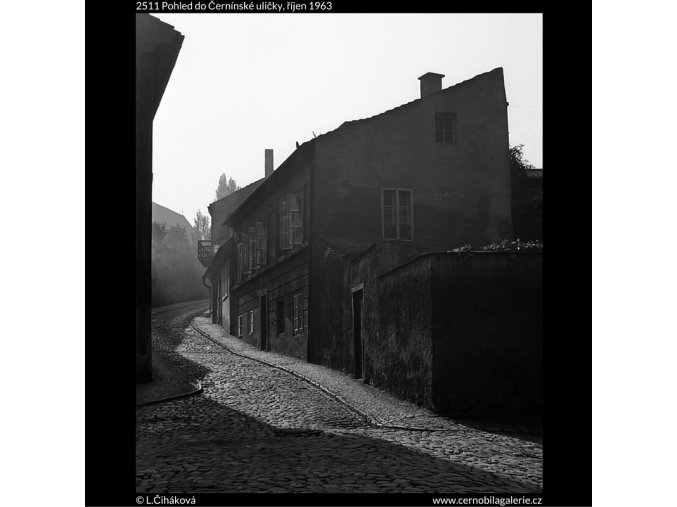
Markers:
(430, 175)
(214, 257)
(170, 218)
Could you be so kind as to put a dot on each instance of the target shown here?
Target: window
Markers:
(279, 316)
(284, 226)
(252, 249)
(291, 221)
(298, 313)
(251, 321)
(240, 321)
(261, 244)
(273, 227)
(306, 211)
(445, 128)
(295, 219)
(246, 268)
(398, 214)
(240, 276)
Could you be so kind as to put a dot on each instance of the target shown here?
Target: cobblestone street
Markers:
(256, 428)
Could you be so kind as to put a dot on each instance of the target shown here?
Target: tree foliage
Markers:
(201, 225)
(226, 187)
(527, 200)
(517, 160)
(159, 231)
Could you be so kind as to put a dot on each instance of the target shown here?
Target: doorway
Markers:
(357, 333)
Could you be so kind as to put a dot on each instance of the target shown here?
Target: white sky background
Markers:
(246, 82)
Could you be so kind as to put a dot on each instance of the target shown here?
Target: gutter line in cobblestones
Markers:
(367, 419)
(199, 389)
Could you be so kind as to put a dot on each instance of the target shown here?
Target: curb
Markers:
(370, 421)
(199, 389)
(365, 417)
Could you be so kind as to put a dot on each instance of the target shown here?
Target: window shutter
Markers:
(293, 201)
(252, 248)
(306, 213)
(284, 226)
(272, 240)
(264, 242)
(239, 261)
(245, 253)
(292, 211)
(298, 230)
(260, 244)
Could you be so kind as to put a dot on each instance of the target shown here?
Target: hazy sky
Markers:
(246, 82)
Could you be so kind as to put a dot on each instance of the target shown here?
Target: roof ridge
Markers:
(353, 122)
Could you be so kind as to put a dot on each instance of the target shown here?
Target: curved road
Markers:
(259, 429)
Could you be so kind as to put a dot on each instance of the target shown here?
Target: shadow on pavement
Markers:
(197, 445)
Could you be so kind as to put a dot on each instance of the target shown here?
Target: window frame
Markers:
(292, 221)
(261, 244)
(240, 272)
(272, 241)
(246, 268)
(253, 265)
(284, 243)
(443, 116)
(397, 212)
(295, 220)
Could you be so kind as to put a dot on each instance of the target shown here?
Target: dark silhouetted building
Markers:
(157, 47)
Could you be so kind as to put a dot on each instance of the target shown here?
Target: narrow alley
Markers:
(257, 428)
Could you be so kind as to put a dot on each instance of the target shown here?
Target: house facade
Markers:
(432, 174)
(309, 250)
(215, 253)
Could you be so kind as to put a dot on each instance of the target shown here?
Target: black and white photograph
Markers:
(341, 219)
(291, 253)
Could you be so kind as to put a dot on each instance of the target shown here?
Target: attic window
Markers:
(445, 128)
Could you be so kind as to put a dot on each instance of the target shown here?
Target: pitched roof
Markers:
(171, 218)
(218, 259)
(345, 125)
(240, 193)
(297, 154)
(456, 86)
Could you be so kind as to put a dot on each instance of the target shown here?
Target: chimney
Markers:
(269, 162)
(430, 83)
